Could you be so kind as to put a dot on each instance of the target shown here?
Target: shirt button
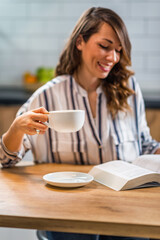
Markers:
(100, 146)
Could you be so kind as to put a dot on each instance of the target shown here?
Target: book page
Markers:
(124, 170)
(149, 161)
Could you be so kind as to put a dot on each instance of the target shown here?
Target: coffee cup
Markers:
(66, 121)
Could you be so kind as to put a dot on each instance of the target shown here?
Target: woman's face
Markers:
(100, 53)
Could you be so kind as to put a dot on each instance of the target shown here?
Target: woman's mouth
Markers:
(104, 67)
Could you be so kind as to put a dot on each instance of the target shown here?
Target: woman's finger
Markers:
(39, 126)
(40, 110)
(39, 117)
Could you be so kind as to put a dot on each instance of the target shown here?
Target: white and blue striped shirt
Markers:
(101, 139)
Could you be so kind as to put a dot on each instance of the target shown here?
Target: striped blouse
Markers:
(101, 139)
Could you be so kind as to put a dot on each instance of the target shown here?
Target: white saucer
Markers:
(67, 179)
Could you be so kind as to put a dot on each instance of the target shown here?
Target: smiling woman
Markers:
(98, 42)
(92, 75)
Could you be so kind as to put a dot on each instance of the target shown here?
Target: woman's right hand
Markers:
(26, 123)
(31, 121)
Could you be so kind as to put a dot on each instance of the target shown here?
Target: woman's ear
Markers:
(79, 42)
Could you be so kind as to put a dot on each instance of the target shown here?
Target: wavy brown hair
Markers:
(115, 85)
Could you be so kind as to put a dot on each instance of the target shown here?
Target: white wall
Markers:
(33, 32)
(17, 234)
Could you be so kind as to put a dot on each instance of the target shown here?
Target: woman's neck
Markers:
(86, 81)
(90, 84)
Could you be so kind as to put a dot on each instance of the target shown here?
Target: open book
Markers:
(121, 175)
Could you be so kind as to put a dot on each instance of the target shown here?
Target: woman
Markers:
(92, 74)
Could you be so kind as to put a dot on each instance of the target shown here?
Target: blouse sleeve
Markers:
(8, 158)
(148, 144)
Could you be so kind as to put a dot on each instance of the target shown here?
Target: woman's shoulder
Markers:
(132, 82)
(42, 91)
(134, 85)
(52, 84)
(60, 79)
(57, 80)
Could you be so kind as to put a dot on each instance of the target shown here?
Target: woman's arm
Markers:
(26, 123)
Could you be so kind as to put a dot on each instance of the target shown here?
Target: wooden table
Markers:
(27, 202)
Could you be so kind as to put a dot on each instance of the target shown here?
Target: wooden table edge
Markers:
(89, 227)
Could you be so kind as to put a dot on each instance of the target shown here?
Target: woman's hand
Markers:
(26, 123)
(31, 121)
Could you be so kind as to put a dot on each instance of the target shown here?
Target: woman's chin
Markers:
(104, 75)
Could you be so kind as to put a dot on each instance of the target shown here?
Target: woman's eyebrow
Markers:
(107, 40)
(110, 41)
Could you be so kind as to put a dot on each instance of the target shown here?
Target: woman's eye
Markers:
(104, 47)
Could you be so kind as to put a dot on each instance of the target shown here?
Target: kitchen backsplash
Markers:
(33, 33)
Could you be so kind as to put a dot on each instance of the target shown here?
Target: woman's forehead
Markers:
(107, 33)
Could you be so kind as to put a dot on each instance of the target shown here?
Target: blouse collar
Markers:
(82, 91)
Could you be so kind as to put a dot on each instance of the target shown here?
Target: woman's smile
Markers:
(105, 67)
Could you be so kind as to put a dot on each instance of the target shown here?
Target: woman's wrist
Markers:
(15, 129)
(12, 139)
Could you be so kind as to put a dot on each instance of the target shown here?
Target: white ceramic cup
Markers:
(66, 120)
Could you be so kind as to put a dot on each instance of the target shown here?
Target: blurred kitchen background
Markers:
(32, 35)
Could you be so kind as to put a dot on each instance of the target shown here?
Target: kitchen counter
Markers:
(19, 95)
(13, 96)
(152, 100)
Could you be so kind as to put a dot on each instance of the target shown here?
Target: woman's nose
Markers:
(112, 56)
